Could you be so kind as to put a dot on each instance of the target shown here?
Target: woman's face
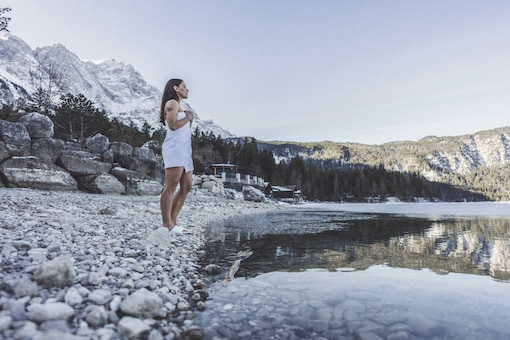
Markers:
(181, 90)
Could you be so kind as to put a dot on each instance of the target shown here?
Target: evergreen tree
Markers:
(4, 21)
(76, 118)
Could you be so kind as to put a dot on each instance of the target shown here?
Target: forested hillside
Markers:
(477, 163)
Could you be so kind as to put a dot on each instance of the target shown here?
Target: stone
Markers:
(102, 184)
(144, 153)
(213, 269)
(47, 149)
(121, 149)
(253, 194)
(142, 303)
(133, 328)
(118, 272)
(37, 125)
(49, 311)
(100, 297)
(30, 172)
(159, 237)
(97, 317)
(5, 322)
(58, 272)
(82, 164)
(15, 138)
(25, 287)
(137, 183)
(97, 144)
(145, 166)
(73, 297)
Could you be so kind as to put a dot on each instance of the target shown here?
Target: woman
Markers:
(176, 152)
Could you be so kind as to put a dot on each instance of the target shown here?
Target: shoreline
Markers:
(126, 275)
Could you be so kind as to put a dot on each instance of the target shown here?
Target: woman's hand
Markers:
(189, 115)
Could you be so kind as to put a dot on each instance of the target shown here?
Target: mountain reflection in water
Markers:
(300, 239)
(331, 274)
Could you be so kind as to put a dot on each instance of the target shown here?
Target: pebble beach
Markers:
(88, 266)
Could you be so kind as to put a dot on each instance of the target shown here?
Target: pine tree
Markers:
(4, 21)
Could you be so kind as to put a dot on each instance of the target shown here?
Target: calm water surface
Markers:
(369, 271)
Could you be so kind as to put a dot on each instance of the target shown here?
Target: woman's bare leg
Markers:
(186, 182)
(167, 198)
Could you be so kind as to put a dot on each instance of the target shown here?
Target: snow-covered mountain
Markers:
(112, 85)
(478, 162)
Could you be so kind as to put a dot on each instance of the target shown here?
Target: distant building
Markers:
(217, 169)
(286, 193)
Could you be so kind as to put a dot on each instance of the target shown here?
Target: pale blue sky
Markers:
(347, 71)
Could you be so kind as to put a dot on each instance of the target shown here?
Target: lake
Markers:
(362, 271)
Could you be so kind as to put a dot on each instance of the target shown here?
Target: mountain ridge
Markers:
(477, 162)
(113, 86)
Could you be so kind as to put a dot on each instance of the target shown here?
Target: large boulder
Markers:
(37, 125)
(102, 184)
(209, 184)
(120, 149)
(137, 183)
(31, 172)
(97, 143)
(15, 138)
(82, 163)
(58, 272)
(47, 149)
(142, 303)
(143, 165)
(144, 153)
(253, 194)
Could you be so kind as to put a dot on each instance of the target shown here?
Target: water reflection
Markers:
(297, 240)
(341, 275)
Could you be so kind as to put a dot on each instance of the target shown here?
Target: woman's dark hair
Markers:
(168, 94)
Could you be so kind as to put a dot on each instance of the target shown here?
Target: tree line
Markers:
(353, 184)
(76, 118)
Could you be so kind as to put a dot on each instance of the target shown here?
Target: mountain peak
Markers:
(113, 85)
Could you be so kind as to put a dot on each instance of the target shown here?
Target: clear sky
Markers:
(346, 71)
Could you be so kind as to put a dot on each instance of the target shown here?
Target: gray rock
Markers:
(144, 153)
(4, 154)
(97, 317)
(37, 125)
(137, 183)
(47, 149)
(133, 328)
(159, 237)
(5, 322)
(145, 166)
(100, 296)
(97, 144)
(102, 184)
(49, 311)
(118, 272)
(26, 287)
(121, 149)
(58, 272)
(30, 172)
(82, 164)
(253, 194)
(16, 139)
(73, 297)
(213, 269)
(142, 303)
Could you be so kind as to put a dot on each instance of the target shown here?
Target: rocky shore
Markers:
(75, 265)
